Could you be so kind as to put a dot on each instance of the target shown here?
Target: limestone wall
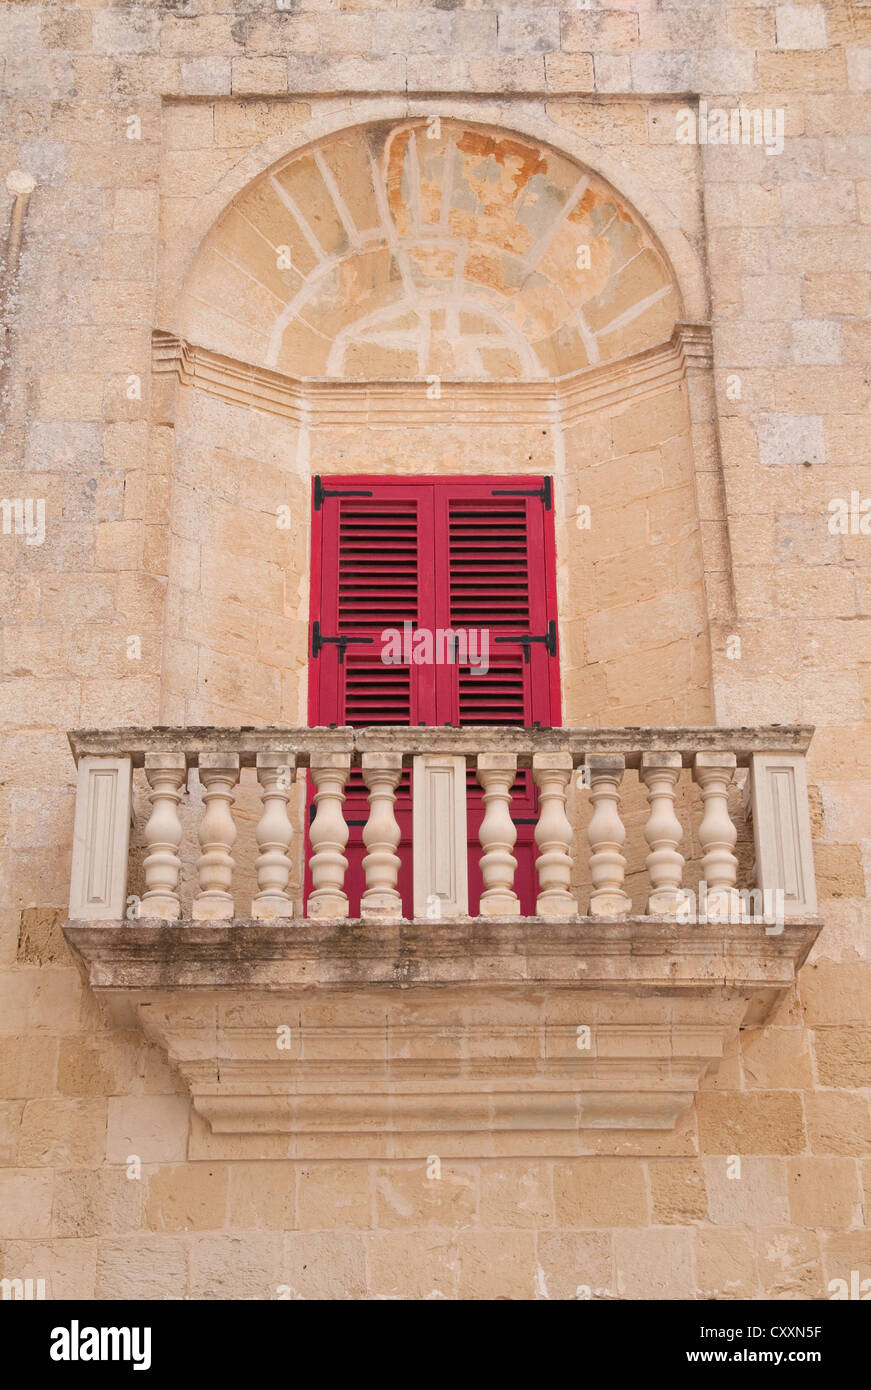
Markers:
(144, 125)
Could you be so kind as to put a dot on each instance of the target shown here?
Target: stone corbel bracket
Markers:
(472, 1038)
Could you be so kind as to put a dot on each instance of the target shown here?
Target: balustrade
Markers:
(664, 760)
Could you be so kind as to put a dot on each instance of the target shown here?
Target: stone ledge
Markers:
(472, 1038)
(300, 953)
(320, 401)
(135, 742)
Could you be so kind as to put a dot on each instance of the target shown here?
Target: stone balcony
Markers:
(322, 1035)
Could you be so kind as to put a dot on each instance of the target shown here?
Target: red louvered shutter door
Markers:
(437, 553)
(499, 550)
(375, 571)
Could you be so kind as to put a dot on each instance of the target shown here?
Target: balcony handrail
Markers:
(413, 741)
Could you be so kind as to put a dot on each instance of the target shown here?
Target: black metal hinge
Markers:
(318, 641)
(545, 493)
(548, 638)
(321, 492)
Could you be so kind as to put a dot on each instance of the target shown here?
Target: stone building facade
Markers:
(623, 248)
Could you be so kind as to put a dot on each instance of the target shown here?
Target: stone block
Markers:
(838, 1124)
(801, 72)
(725, 1264)
(816, 341)
(412, 1264)
(247, 122)
(258, 76)
(67, 30)
(28, 1066)
(496, 1265)
(534, 30)
(71, 395)
(834, 993)
(789, 1263)
(859, 69)
(95, 1202)
(324, 1265)
(569, 72)
(143, 1267)
(601, 1192)
(234, 1267)
(786, 439)
(10, 1123)
(206, 77)
(843, 1056)
(654, 1264)
(597, 31)
(824, 1192)
(390, 33)
(747, 1195)
(801, 26)
(833, 202)
(776, 1059)
(576, 1265)
(154, 1128)
(25, 1203)
(126, 31)
(262, 1196)
(677, 1192)
(62, 1133)
(759, 1123)
(334, 1195)
(187, 1197)
(447, 1198)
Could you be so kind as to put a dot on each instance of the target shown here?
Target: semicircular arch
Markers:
(401, 248)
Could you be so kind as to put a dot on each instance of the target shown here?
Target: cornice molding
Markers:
(320, 402)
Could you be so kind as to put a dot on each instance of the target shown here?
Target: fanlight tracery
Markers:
(404, 250)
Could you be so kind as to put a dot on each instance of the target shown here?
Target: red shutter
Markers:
(489, 553)
(377, 562)
(438, 553)
(372, 569)
(377, 568)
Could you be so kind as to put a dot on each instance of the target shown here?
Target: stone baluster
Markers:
(553, 835)
(166, 773)
(275, 773)
(219, 773)
(496, 773)
(663, 833)
(607, 834)
(329, 835)
(381, 835)
(714, 772)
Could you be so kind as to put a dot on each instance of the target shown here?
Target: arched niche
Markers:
(392, 252)
(429, 247)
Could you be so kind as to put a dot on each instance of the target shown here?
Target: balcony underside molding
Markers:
(467, 1038)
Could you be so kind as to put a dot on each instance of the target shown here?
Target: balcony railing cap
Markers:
(303, 744)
